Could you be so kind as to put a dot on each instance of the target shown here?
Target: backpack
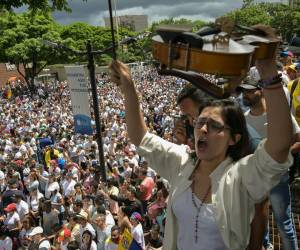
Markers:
(35, 246)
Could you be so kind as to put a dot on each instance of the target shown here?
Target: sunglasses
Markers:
(213, 126)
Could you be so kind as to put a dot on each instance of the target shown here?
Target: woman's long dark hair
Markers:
(91, 239)
(234, 118)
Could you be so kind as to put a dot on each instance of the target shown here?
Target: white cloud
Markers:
(193, 11)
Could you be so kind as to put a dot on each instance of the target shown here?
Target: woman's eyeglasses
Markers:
(212, 125)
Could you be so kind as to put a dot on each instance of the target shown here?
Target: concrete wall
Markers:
(134, 22)
(7, 71)
(61, 73)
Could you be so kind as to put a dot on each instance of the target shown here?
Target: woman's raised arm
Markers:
(136, 126)
(280, 131)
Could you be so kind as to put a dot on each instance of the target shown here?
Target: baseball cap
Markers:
(248, 84)
(11, 207)
(286, 54)
(26, 171)
(35, 231)
(2, 176)
(136, 216)
(82, 215)
(294, 67)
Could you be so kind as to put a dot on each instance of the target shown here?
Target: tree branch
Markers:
(39, 71)
(18, 69)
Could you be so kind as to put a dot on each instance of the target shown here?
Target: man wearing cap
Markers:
(82, 219)
(12, 219)
(38, 240)
(9, 194)
(293, 71)
(137, 229)
(280, 195)
(286, 57)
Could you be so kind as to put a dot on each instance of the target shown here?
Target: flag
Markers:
(7, 92)
(127, 242)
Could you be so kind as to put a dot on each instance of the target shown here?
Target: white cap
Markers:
(35, 231)
(2, 176)
(26, 171)
(18, 155)
(83, 215)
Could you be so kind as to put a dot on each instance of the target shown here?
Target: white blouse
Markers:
(209, 236)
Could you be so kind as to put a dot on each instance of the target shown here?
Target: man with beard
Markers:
(113, 241)
(280, 195)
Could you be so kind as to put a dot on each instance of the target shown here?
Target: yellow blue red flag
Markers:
(127, 242)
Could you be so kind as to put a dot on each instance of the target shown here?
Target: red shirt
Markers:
(146, 188)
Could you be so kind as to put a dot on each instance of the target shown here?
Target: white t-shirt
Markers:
(110, 246)
(209, 236)
(259, 123)
(45, 244)
(138, 234)
(22, 209)
(68, 187)
(6, 244)
(34, 201)
(93, 246)
(12, 220)
(102, 236)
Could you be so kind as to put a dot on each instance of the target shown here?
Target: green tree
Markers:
(280, 16)
(21, 43)
(35, 5)
(251, 15)
(247, 3)
(78, 34)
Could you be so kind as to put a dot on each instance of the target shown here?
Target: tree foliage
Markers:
(21, 38)
(35, 5)
(280, 16)
(195, 25)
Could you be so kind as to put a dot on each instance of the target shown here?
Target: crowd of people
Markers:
(51, 195)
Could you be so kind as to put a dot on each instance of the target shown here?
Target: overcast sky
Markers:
(93, 11)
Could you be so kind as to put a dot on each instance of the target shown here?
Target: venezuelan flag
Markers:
(127, 242)
(7, 92)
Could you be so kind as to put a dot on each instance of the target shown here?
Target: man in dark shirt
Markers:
(131, 203)
(9, 195)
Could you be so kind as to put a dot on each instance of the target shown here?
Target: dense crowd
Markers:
(49, 190)
(51, 197)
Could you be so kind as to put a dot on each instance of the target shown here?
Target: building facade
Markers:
(132, 22)
(7, 71)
